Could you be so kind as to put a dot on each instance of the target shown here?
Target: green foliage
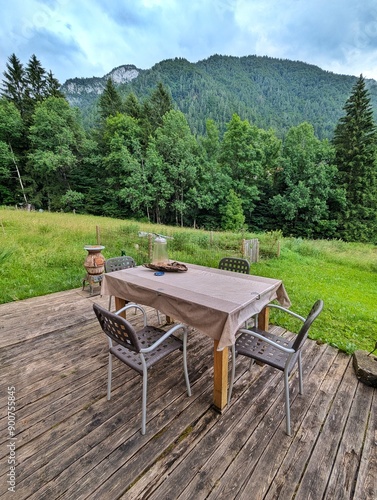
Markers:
(72, 200)
(110, 102)
(233, 218)
(355, 142)
(55, 138)
(25, 87)
(304, 185)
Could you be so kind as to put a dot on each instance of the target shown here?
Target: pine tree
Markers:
(36, 79)
(14, 85)
(355, 141)
(110, 102)
(156, 106)
(26, 86)
(53, 87)
(132, 107)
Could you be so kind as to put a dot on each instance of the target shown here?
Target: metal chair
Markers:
(140, 350)
(276, 351)
(235, 264)
(117, 264)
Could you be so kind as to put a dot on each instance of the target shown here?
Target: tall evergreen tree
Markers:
(36, 79)
(110, 102)
(14, 84)
(154, 109)
(26, 86)
(53, 87)
(132, 107)
(355, 141)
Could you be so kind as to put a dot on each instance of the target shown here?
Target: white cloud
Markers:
(90, 37)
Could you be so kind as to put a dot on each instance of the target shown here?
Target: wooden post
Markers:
(220, 376)
(98, 235)
(119, 303)
(263, 319)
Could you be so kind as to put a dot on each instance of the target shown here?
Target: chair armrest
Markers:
(163, 338)
(267, 340)
(275, 306)
(133, 306)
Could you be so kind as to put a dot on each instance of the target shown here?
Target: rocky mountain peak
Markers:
(73, 88)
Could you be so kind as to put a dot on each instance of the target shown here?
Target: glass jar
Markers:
(160, 252)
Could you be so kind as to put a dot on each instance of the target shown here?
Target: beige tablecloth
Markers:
(214, 301)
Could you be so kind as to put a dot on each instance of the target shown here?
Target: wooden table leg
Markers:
(220, 375)
(263, 319)
(119, 303)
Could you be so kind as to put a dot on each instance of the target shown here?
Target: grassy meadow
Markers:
(43, 252)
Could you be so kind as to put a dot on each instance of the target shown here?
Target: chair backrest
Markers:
(235, 264)
(117, 328)
(304, 330)
(118, 263)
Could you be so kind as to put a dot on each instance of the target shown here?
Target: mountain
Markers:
(269, 92)
(82, 92)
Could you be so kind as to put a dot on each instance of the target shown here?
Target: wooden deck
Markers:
(74, 444)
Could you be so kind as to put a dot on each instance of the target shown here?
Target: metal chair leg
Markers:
(300, 381)
(185, 364)
(287, 406)
(233, 373)
(109, 374)
(144, 401)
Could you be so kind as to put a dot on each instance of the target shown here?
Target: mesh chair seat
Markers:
(251, 346)
(147, 337)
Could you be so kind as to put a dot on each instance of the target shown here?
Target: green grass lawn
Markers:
(44, 253)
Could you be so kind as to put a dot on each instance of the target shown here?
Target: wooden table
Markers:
(213, 301)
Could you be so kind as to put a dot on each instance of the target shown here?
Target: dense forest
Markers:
(142, 159)
(268, 92)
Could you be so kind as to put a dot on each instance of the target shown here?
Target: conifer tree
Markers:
(355, 141)
(132, 107)
(156, 106)
(53, 87)
(26, 86)
(110, 102)
(14, 85)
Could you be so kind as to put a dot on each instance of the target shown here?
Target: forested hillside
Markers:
(268, 92)
(207, 166)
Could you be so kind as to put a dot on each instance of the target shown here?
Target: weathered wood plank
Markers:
(260, 478)
(49, 315)
(345, 471)
(366, 483)
(315, 480)
(321, 391)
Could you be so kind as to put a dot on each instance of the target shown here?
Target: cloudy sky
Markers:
(85, 38)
